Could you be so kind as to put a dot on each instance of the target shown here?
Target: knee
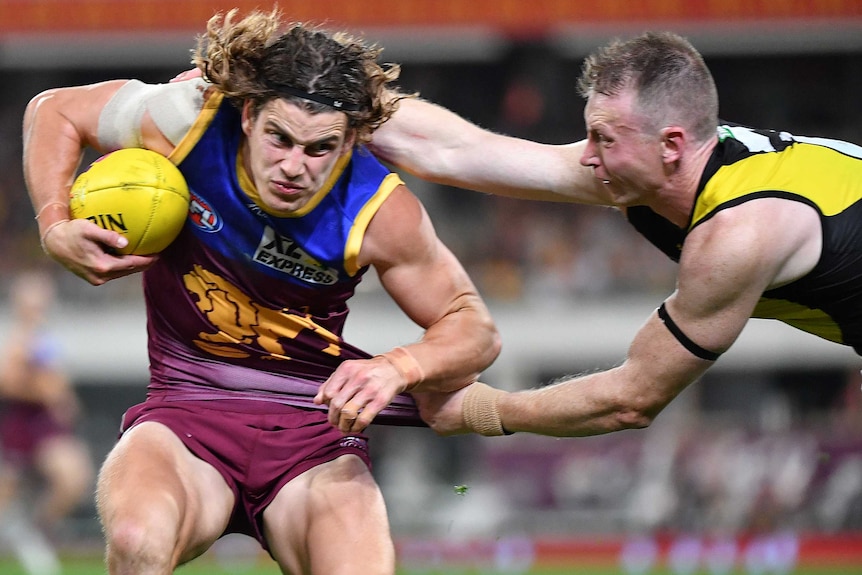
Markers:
(136, 545)
(138, 539)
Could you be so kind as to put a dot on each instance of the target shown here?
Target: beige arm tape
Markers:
(405, 364)
(480, 410)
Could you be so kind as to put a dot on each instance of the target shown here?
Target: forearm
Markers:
(58, 125)
(437, 145)
(14, 386)
(421, 136)
(588, 405)
(629, 396)
(454, 351)
(23, 382)
(52, 153)
(15, 368)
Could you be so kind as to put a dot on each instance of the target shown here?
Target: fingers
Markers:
(357, 391)
(127, 265)
(358, 412)
(102, 267)
(108, 238)
(351, 418)
(85, 249)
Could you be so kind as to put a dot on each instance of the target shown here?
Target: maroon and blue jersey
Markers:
(246, 304)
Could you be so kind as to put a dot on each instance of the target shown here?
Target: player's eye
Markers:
(280, 138)
(320, 149)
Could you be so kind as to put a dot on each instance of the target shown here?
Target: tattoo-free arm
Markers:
(438, 145)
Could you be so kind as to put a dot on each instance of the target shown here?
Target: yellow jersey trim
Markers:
(810, 171)
(363, 218)
(814, 321)
(250, 189)
(205, 117)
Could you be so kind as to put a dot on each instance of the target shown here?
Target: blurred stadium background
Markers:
(758, 467)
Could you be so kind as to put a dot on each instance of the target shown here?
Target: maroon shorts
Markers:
(257, 446)
(23, 428)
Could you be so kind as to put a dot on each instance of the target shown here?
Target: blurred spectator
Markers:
(38, 411)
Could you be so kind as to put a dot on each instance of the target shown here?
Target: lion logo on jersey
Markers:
(241, 323)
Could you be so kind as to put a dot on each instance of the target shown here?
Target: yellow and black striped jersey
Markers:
(827, 175)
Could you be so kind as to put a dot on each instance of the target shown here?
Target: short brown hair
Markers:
(669, 76)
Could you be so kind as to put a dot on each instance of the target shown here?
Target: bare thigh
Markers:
(157, 501)
(331, 520)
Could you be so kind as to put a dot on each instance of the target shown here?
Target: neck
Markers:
(677, 198)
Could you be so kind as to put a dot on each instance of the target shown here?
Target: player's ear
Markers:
(249, 113)
(349, 140)
(673, 140)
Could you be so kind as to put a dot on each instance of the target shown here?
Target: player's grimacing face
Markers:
(620, 154)
(290, 152)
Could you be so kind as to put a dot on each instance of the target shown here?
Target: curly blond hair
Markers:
(259, 58)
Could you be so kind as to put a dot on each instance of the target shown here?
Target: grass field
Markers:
(240, 555)
(205, 566)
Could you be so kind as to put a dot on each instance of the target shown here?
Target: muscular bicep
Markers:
(111, 115)
(729, 261)
(415, 268)
(428, 283)
(70, 114)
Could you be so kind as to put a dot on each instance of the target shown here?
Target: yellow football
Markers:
(138, 193)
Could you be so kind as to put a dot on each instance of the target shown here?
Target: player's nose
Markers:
(292, 163)
(589, 158)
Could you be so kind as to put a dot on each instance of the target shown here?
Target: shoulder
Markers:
(174, 107)
(138, 114)
(399, 230)
(772, 239)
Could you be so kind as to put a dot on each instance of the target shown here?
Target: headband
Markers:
(340, 105)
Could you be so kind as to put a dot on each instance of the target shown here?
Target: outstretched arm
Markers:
(727, 263)
(436, 144)
(630, 396)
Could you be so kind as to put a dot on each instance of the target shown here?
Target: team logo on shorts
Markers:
(355, 442)
(202, 215)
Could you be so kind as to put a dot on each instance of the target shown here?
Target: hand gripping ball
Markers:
(138, 193)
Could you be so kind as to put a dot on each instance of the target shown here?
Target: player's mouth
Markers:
(287, 189)
(602, 179)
